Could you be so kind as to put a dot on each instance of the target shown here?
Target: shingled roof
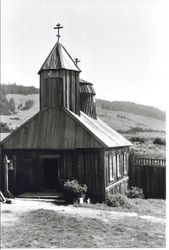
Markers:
(86, 87)
(59, 58)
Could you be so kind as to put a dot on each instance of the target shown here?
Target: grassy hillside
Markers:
(131, 107)
(125, 121)
(21, 115)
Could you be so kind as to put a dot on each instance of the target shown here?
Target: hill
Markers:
(123, 121)
(131, 107)
(7, 106)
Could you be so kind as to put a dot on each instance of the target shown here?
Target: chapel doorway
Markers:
(50, 174)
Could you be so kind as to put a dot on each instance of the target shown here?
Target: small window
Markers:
(118, 166)
(125, 163)
(114, 166)
(110, 164)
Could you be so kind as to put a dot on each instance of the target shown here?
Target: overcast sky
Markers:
(123, 45)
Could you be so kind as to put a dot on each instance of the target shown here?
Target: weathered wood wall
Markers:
(54, 92)
(70, 93)
(51, 129)
(87, 105)
(118, 181)
(148, 174)
(115, 152)
(85, 165)
(118, 187)
(91, 172)
(87, 101)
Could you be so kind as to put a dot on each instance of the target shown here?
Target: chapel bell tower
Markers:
(59, 79)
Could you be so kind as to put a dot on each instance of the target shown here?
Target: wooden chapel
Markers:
(65, 139)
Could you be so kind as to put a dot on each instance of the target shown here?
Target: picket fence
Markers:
(148, 174)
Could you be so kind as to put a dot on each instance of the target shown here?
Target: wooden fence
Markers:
(148, 174)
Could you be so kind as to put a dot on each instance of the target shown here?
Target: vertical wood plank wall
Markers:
(70, 93)
(87, 104)
(85, 165)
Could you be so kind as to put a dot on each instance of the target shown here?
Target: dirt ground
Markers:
(10, 213)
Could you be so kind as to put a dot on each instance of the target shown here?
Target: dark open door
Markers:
(50, 174)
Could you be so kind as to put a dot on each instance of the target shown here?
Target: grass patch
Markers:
(150, 207)
(148, 148)
(49, 229)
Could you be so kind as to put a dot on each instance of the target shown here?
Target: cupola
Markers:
(59, 80)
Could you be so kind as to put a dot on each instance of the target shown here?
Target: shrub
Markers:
(122, 116)
(73, 190)
(137, 139)
(135, 192)
(12, 104)
(116, 200)
(159, 141)
(28, 105)
(135, 130)
(4, 128)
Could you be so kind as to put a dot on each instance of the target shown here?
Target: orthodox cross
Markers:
(58, 27)
(77, 61)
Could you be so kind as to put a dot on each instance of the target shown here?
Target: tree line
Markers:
(18, 89)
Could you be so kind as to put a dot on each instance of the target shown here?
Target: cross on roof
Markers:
(58, 27)
(77, 61)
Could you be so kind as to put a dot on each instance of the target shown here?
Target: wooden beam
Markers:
(7, 193)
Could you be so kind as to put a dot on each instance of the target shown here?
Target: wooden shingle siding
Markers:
(87, 88)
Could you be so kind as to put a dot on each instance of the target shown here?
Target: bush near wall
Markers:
(74, 190)
(135, 192)
(117, 200)
(159, 141)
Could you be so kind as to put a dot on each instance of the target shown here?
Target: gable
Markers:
(51, 128)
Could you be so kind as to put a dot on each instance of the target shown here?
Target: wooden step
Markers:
(41, 195)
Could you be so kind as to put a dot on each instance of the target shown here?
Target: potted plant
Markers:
(74, 191)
